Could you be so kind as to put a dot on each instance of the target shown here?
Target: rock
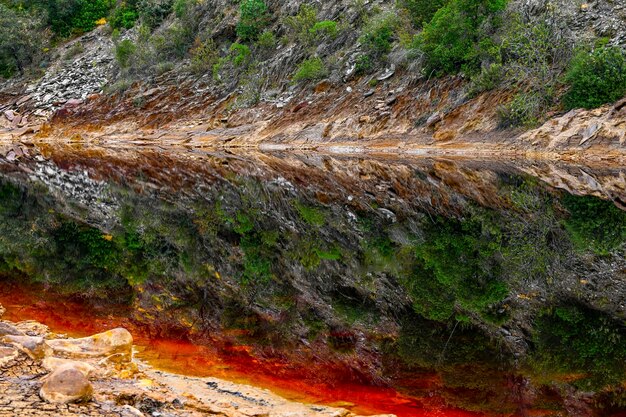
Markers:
(7, 329)
(130, 411)
(52, 364)
(386, 75)
(116, 343)
(9, 115)
(7, 355)
(369, 93)
(2, 310)
(35, 347)
(67, 384)
(433, 119)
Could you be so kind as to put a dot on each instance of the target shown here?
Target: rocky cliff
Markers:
(395, 108)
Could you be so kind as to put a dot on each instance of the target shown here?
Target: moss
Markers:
(311, 215)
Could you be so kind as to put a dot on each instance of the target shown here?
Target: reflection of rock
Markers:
(66, 384)
(116, 344)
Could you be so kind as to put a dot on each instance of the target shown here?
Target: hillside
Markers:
(345, 75)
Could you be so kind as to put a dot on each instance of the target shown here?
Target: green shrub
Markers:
(594, 224)
(364, 64)
(311, 215)
(310, 69)
(573, 339)
(240, 54)
(300, 24)
(153, 12)
(67, 17)
(524, 110)
(378, 35)
(124, 51)
(254, 17)
(123, 17)
(421, 11)
(596, 78)
(267, 40)
(451, 40)
(21, 41)
(325, 28)
(180, 8)
(458, 267)
(203, 56)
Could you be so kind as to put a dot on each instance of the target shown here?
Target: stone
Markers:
(67, 384)
(52, 364)
(9, 115)
(116, 344)
(386, 75)
(433, 119)
(2, 310)
(7, 329)
(369, 93)
(34, 346)
(7, 355)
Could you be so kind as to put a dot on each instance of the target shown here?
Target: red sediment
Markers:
(234, 363)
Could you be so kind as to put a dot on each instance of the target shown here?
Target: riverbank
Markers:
(115, 384)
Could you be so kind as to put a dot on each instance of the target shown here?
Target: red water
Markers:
(235, 364)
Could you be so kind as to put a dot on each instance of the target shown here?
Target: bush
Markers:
(302, 23)
(267, 40)
(421, 11)
(21, 41)
(153, 12)
(364, 64)
(240, 54)
(124, 16)
(451, 40)
(68, 17)
(124, 51)
(311, 69)
(378, 35)
(594, 224)
(596, 78)
(253, 19)
(325, 28)
(524, 110)
(203, 56)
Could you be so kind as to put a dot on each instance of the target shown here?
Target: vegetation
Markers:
(573, 339)
(254, 18)
(310, 69)
(596, 78)
(595, 224)
(22, 38)
(453, 40)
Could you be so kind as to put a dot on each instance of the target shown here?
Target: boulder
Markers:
(67, 384)
(7, 355)
(116, 344)
(52, 364)
(35, 347)
(7, 329)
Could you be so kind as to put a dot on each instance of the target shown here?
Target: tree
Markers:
(254, 18)
(21, 41)
(451, 41)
